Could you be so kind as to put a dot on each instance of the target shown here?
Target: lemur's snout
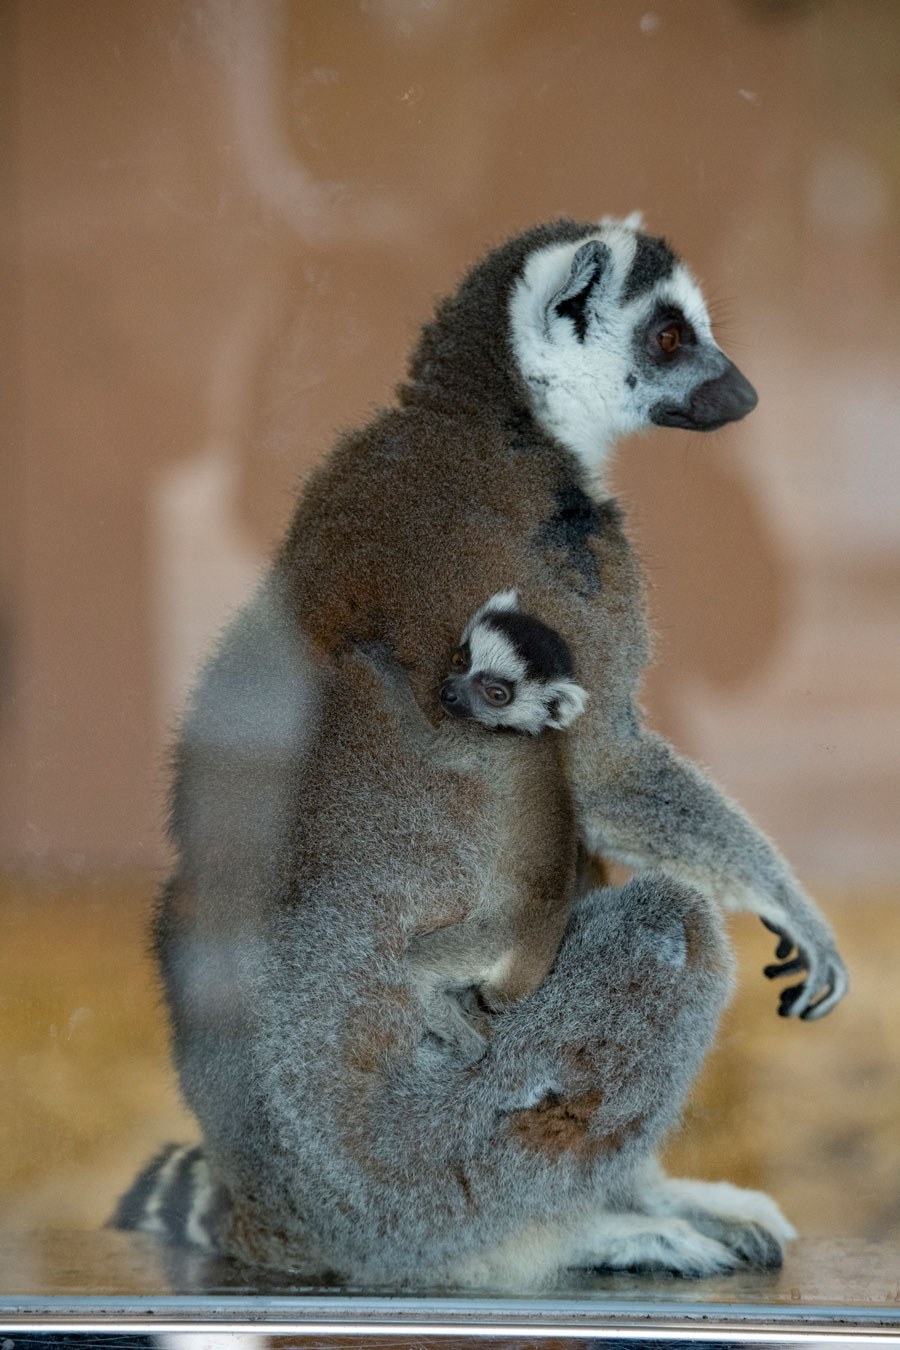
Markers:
(452, 701)
(727, 398)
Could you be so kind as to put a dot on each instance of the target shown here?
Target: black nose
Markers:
(453, 699)
(727, 398)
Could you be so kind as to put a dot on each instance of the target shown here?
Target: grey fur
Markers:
(315, 843)
(504, 946)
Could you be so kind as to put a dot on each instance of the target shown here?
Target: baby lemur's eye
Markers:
(458, 659)
(497, 694)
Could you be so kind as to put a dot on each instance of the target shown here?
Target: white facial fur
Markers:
(578, 388)
(492, 652)
(502, 600)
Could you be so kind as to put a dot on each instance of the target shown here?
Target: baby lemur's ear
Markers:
(567, 702)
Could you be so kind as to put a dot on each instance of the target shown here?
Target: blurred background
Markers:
(223, 222)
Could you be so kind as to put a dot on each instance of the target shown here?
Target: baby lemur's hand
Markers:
(826, 979)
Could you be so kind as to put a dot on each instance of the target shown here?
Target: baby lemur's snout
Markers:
(453, 698)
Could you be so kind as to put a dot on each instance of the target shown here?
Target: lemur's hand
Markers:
(378, 654)
(383, 661)
(826, 981)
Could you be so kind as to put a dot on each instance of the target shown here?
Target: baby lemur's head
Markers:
(511, 671)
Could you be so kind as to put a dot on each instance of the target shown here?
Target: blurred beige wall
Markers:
(225, 221)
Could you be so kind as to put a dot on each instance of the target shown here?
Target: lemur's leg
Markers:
(651, 808)
(690, 1228)
(530, 1161)
(587, 1074)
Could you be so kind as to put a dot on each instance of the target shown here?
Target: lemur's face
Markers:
(486, 695)
(612, 335)
(511, 671)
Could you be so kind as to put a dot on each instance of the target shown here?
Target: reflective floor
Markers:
(78, 1276)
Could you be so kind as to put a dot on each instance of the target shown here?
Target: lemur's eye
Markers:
(458, 659)
(668, 335)
(670, 338)
(497, 694)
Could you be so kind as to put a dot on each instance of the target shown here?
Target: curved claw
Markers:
(826, 980)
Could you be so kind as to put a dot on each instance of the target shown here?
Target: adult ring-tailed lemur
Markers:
(316, 842)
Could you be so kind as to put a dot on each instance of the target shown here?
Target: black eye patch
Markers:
(544, 651)
(667, 316)
(487, 682)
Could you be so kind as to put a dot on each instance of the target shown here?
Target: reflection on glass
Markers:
(228, 222)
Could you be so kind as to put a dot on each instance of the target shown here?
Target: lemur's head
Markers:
(511, 671)
(610, 335)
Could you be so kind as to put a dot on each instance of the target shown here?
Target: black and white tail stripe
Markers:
(175, 1198)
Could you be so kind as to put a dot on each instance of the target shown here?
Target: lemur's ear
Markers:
(590, 262)
(633, 221)
(568, 702)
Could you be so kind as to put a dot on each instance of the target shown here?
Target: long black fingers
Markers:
(774, 972)
(785, 946)
(789, 998)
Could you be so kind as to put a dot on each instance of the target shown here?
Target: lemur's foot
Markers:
(752, 1242)
(748, 1223)
(642, 1243)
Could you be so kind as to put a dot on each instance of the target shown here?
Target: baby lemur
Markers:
(513, 673)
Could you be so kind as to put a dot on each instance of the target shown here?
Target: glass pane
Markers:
(224, 224)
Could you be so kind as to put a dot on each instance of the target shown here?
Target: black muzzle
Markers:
(727, 398)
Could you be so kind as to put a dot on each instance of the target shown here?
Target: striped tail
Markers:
(175, 1198)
